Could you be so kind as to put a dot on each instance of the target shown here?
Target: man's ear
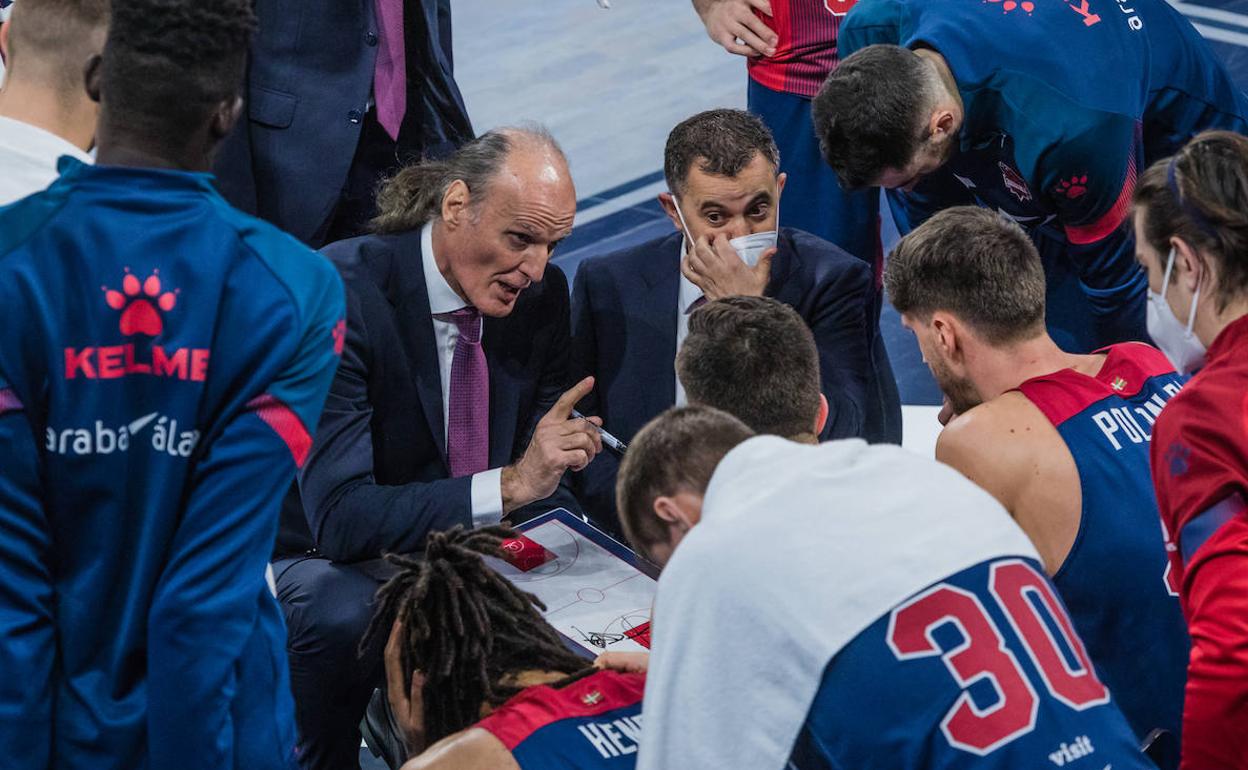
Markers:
(225, 117)
(780, 180)
(92, 74)
(941, 125)
(668, 202)
(1189, 265)
(947, 336)
(455, 204)
(822, 420)
(670, 512)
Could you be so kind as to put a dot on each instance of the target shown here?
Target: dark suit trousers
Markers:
(327, 608)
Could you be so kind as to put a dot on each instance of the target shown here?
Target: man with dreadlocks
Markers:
(166, 360)
(467, 646)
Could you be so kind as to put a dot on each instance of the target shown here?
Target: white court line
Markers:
(1212, 14)
(1222, 35)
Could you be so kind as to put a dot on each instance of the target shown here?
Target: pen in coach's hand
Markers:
(607, 438)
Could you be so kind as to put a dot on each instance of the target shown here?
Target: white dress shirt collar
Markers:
(442, 298)
(689, 291)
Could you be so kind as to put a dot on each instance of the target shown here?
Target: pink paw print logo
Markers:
(138, 302)
(1074, 187)
(1013, 5)
(339, 333)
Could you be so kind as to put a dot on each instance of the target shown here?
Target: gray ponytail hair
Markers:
(413, 196)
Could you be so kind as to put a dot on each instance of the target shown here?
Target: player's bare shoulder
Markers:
(997, 443)
(472, 749)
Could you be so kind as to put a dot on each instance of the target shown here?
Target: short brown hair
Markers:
(976, 264)
(1211, 210)
(677, 451)
(755, 358)
(720, 142)
(868, 114)
(55, 37)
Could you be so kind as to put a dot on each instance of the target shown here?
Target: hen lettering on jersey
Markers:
(102, 440)
(613, 739)
(116, 361)
(1135, 423)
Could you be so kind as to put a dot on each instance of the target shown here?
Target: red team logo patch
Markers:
(1012, 5)
(1073, 188)
(1081, 7)
(839, 7)
(135, 300)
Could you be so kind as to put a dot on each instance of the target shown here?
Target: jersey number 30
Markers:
(1021, 594)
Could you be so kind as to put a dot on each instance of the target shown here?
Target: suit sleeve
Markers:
(842, 324)
(594, 487)
(27, 630)
(205, 606)
(351, 516)
(556, 377)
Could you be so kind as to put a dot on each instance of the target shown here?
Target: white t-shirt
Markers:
(799, 549)
(28, 157)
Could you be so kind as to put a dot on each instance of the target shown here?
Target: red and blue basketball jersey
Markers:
(592, 723)
(983, 669)
(846, 606)
(806, 46)
(1115, 580)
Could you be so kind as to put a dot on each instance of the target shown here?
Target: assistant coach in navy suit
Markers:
(630, 309)
(339, 94)
(446, 409)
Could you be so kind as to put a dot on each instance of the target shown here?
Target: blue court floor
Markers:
(610, 84)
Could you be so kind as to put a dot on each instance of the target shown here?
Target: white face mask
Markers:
(1178, 342)
(749, 247)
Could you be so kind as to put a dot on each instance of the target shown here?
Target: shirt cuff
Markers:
(487, 498)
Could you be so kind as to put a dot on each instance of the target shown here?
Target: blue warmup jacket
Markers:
(1066, 103)
(164, 362)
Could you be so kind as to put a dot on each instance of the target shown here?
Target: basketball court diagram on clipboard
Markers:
(594, 589)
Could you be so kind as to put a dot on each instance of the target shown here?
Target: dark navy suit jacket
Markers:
(377, 478)
(308, 86)
(624, 333)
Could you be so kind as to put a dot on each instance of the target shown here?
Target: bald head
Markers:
(499, 206)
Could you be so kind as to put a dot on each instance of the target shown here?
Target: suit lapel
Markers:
(416, 330)
(657, 311)
(504, 385)
(783, 265)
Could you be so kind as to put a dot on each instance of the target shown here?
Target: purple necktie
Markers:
(390, 71)
(468, 423)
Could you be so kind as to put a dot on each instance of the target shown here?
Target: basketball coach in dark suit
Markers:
(446, 409)
(339, 94)
(630, 309)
